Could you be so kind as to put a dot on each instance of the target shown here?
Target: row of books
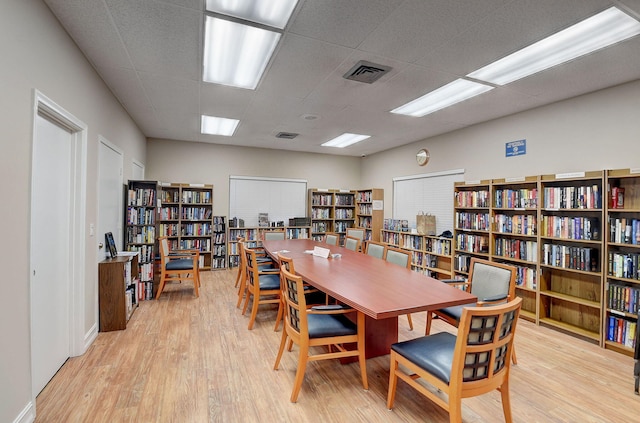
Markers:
(169, 213)
(461, 262)
(472, 198)
(391, 238)
(438, 246)
(519, 224)
(219, 250)
(526, 277)
(364, 222)
(170, 196)
(320, 227)
(516, 249)
(322, 199)
(297, 233)
(581, 228)
(617, 198)
(473, 221)
(218, 263)
(141, 234)
(472, 243)
(342, 226)
(196, 229)
(219, 238)
(247, 234)
(400, 225)
(624, 231)
(572, 197)
(197, 244)
(141, 197)
(364, 197)
(344, 213)
(197, 197)
(365, 208)
(570, 257)
(624, 265)
(140, 216)
(345, 200)
(320, 213)
(623, 298)
(145, 252)
(412, 242)
(516, 198)
(622, 331)
(168, 229)
(196, 213)
(146, 271)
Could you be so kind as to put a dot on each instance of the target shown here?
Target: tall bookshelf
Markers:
(219, 251)
(370, 212)
(141, 230)
(622, 261)
(514, 234)
(430, 255)
(472, 201)
(331, 210)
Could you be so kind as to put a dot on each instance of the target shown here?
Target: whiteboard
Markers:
(429, 193)
(282, 199)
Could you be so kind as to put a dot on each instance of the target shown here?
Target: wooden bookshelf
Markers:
(219, 251)
(118, 291)
(331, 210)
(254, 235)
(141, 230)
(370, 212)
(430, 255)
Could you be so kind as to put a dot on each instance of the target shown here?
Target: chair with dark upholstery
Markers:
(491, 282)
(264, 263)
(374, 249)
(401, 258)
(239, 239)
(474, 362)
(178, 265)
(325, 326)
(352, 243)
(263, 285)
(331, 238)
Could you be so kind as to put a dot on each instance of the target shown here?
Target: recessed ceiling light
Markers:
(236, 54)
(599, 31)
(345, 140)
(212, 125)
(445, 96)
(274, 13)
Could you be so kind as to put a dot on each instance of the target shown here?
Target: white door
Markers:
(51, 243)
(110, 196)
(137, 171)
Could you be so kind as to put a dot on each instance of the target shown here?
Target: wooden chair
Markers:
(239, 239)
(331, 238)
(359, 233)
(277, 235)
(402, 258)
(492, 282)
(352, 243)
(264, 263)
(263, 285)
(374, 249)
(178, 265)
(474, 362)
(320, 326)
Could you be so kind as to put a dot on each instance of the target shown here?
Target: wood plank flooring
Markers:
(187, 359)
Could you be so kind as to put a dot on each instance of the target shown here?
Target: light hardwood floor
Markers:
(186, 359)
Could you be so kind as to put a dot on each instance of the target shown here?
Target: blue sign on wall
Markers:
(516, 148)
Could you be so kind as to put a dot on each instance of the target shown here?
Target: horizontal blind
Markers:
(282, 199)
(429, 193)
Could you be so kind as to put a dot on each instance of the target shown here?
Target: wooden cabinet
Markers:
(141, 231)
(370, 212)
(514, 234)
(118, 285)
(622, 261)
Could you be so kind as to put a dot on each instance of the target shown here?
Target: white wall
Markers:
(191, 162)
(592, 132)
(38, 54)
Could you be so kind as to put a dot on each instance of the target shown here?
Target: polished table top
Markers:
(375, 287)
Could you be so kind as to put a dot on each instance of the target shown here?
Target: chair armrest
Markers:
(330, 309)
(456, 282)
(269, 271)
(491, 300)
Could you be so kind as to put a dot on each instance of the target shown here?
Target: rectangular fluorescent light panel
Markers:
(218, 126)
(275, 13)
(345, 140)
(448, 95)
(599, 31)
(236, 54)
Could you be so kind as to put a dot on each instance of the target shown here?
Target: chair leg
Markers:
(514, 360)
(393, 381)
(163, 280)
(506, 401)
(196, 283)
(254, 311)
(241, 292)
(410, 320)
(455, 409)
(283, 341)
(302, 366)
(238, 276)
(427, 328)
(280, 315)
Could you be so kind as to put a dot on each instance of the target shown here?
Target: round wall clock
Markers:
(422, 157)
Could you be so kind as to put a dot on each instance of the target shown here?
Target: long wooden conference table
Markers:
(380, 290)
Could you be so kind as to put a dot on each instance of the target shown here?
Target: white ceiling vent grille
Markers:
(286, 135)
(366, 72)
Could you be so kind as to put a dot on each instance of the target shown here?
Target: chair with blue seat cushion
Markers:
(474, 362)
(324, 326)
(262, 285)
(178, 265)
(491, 282)
(402, 258)
(262, 265)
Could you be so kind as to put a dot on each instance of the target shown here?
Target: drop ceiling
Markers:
(149, 53)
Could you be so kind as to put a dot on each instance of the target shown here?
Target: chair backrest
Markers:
(295, 303)
(163, 242)
(374, 249)
(273, 235)
(331, 238)
(352, 243)
(484, 345)
(489, 279)
(356, 233)
(398, 256)
(287, 262)
(251, 266)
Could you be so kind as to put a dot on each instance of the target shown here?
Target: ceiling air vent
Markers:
(286, 135)
(366, 72)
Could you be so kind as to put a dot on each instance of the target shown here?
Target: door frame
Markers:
(79, 341)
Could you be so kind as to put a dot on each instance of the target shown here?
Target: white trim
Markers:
(46, 107)
(27, 415)
(141, 165)
(428, 175)
(264, 178)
